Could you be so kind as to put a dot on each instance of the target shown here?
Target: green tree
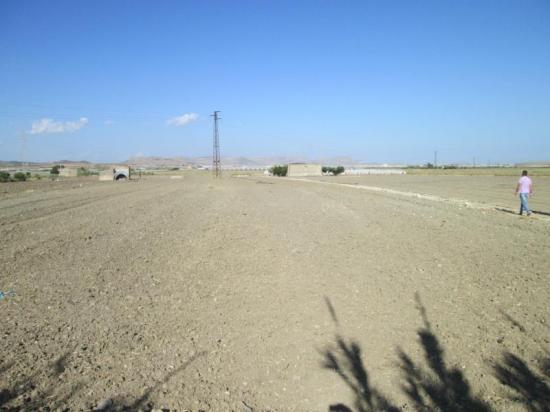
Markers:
(4, 177)
(19, 177)
(279, 170)
(334, 170)
(82, 171)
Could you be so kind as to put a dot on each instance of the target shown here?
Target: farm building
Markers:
(115, 173)
(304, 169)
(375, 171)
(68, 172)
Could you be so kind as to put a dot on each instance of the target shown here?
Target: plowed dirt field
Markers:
(271, 294)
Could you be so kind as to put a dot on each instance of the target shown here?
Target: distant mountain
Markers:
(206, 161)
(17, 163)
(68, 162)
(240, 161)
(154, 161)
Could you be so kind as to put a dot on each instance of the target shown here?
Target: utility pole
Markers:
(216, 163)
(435, 159)
(474, 163)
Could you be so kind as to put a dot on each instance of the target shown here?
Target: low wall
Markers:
(375, 172)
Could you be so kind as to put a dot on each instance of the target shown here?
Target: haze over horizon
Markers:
(376, 81)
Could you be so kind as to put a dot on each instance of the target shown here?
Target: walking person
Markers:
(524, 189)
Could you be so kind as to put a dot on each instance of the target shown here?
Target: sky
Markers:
(379, 81)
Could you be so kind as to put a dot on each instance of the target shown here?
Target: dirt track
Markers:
(227, 295)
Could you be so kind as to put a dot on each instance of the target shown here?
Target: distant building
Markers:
(68, 172)
(304, 169)
(373, 171)
(115, 173)
(532, 164)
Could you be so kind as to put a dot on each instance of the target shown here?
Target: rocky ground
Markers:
(268, 294)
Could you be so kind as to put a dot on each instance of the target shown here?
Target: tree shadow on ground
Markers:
(437, 387)
(345, 359)
(512, 321)
(143, 402)
(32, 393)
(531, 389)
(431, 388)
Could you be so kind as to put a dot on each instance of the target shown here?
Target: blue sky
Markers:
(385, 81)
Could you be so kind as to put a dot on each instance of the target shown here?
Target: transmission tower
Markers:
(216, 163)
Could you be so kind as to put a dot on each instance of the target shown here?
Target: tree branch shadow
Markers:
(512, 321)
(436, 387)
(26, 393)
(29, 392)
(345, 360)
(532, 389)
(142, 403)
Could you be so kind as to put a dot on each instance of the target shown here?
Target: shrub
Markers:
(279, 170)
(55, 170)
(334, 170)
(4, 177)
(19, 177)
(82, 171)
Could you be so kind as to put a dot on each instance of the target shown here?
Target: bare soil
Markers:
(248, 294)
(493, 191)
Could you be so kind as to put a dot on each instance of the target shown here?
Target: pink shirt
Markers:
(524, 184)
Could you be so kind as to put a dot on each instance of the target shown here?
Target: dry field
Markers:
(271, 294)
(489, 191)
